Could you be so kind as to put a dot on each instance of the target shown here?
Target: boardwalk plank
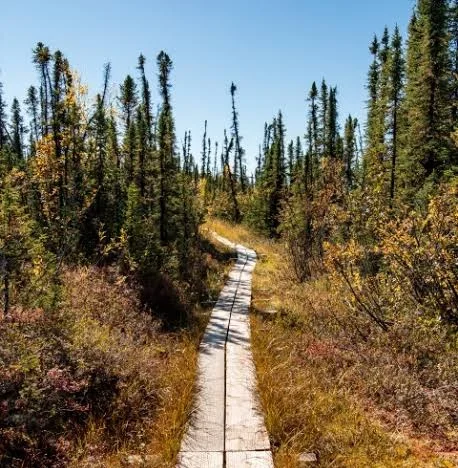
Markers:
(200, 460)
(227, 416)
(245, 429)
(249, 460)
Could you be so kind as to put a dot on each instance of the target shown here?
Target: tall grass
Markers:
(327, 391)
(98, 381)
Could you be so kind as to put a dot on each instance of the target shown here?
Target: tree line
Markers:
(92, 183)
(363, 201)
(107, 181)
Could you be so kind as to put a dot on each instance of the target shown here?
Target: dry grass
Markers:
(173, 357)
(158, 441)
(319, 395)
(99, 381)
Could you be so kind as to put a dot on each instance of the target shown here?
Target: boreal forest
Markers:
(109, 268)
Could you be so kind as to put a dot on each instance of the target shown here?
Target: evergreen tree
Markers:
(146, 100)
(215, 161)
(142, 152)
(239, 167)
(454, 58)
(298, 149)
(32, 103)
(231, 182)
(116, 181)
(311, 166)
(397, 71)
(3, 130)
(128, 100)
(138, 239)
(209, 146)
(168, 193)
(42, 59)
(98, 213)
(291, 161)
(313, 132)
(188, 161)
(278, 176)
(332, 124)
(383, 96)
(380, 111)
(17, 130)
(373, 83)
(61, 81)
(323, 119)
(203, 170)
(26, 268)
(350, 150)
(427, 152)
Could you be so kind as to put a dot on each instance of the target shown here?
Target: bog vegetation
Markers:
(102, 260)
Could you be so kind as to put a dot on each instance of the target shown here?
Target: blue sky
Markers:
(273, 51)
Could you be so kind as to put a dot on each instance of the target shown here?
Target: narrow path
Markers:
(227, 427)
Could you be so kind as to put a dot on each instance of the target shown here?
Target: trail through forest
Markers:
(227, 427)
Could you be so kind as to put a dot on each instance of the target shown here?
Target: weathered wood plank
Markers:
(205, 431)
(245, 428)
(206, 427)
(249, 460)
(200, 460)
(226, 382)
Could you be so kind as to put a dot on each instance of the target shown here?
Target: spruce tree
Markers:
(42, 59)
(397, 72)
(60, 83)
(454, 58)
(239, 167)
(3, 129)
(350, 150)
(376, 159)
(373, 83)
(2, 118)
(298, 150)
(278, 177)
(26, 268)
(32, 104)
(118, 189)
(17, 130)
(128, 101)
(203, 169)
(332, 128)
(428, 113)
(168, 190)
(209, 149)
(383, 96)
(311, 167)
(96, 216)
(291, 161)
(323, 118)
(314, 131)
(146, 100)
(231, 182)
(142, 139)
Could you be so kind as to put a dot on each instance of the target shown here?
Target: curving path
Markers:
(227, 427)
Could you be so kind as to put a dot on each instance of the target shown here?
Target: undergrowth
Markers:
(387, 401)
(98, 380)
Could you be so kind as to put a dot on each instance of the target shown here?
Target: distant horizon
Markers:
(210, 53)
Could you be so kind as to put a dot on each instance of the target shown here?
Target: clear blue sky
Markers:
(272, 50)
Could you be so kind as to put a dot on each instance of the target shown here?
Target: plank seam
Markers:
(227, 457)
(225, 353)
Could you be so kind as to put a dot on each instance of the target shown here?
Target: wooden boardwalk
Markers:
(227, 427)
